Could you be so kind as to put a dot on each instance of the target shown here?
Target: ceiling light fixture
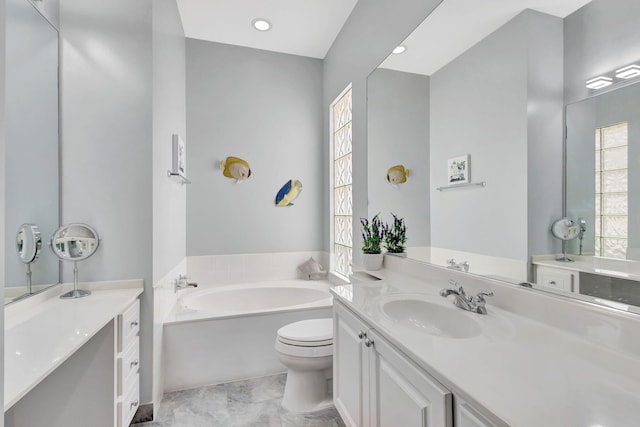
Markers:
(628, 72)
(261, 24)
(399, 49)
(599, 82)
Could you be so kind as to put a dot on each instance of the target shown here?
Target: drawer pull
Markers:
(361, 334)
(134, 404)
(368, 342)
(134, 363)
(552, 282)
(134, 323)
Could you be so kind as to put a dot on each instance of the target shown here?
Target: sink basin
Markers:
(431, 318)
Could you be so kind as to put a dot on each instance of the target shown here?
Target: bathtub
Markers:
(217, 334)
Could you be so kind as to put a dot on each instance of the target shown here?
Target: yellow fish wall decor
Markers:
(397, 175)
(236, 168)
(288, 193)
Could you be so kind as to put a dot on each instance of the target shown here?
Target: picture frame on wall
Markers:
(179, 164)
(459, 170)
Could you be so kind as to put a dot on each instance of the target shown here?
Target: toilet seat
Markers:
(307, 333)
(307, 338)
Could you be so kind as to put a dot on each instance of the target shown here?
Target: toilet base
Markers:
(307, 391)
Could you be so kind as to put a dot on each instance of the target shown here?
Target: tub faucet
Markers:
(475, 304)
(181, 283)
(459, 266)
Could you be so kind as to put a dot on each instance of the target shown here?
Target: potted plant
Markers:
(372, 236)
(395, 236)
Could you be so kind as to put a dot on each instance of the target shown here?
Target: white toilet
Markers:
(306, 349)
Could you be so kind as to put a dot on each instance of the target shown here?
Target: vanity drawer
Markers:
(128, 406)
(563, 280)
(128, 326)
(128, 364)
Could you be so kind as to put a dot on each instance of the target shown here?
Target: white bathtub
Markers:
(217, 334)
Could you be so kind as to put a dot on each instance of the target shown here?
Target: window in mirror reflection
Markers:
(612, 201)
(341, 113)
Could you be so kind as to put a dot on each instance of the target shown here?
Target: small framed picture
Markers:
(459, 170)
(179, 156)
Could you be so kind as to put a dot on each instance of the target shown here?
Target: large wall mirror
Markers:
(492, 96)
(32, 140)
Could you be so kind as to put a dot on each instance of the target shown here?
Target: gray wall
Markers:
(2, 181)
(398, 129)
(265, 108)
(107, 144)
(49, 9)
(600, 37)
(32, 136)
(545, 114)
(359, 48)
(169, 197)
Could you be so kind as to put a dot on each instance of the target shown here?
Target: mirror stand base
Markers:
(76, 293)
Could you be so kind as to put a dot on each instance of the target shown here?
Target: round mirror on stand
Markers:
(565, 229)
(28, 245)
(74, 242)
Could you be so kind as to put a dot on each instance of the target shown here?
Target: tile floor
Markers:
(249, 403)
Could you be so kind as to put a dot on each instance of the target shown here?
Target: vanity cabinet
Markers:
(128, 361)
(467, 416)
(557, 278)
(376, 385)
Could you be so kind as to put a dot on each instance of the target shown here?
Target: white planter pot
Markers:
(372, 261)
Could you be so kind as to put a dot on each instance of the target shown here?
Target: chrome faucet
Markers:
(459, 266)
(181, 283)
(475, 304)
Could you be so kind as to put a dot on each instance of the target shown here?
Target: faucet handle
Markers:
(451, 262)
(481, 295)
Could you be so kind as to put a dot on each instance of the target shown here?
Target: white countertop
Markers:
(523, 371)
(41, 337)
(620, 268)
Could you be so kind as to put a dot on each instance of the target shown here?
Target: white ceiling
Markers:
(300, 27)
(457, 25)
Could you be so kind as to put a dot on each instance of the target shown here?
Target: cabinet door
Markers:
(467, 416)
(350, 375)
(402, 394)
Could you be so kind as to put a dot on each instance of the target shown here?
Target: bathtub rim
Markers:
(178, 314)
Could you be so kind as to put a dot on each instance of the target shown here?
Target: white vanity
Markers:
(73, 362)
(402, 358)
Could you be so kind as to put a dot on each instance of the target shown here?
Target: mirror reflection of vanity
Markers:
(499, 97)
(32, 184)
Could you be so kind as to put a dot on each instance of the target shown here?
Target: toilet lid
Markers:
(310, 332)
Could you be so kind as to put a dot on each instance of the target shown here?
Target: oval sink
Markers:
(431, 318)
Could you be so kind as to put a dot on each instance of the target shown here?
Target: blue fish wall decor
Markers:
(288, 193)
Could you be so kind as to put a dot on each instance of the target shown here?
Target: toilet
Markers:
(306, 349)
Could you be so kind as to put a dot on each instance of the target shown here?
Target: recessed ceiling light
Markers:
(399, 49)
(261, 24)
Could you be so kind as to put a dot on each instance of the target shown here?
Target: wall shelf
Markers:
(470, 184)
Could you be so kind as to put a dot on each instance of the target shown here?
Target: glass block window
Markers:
(612, 200)
(342, 242)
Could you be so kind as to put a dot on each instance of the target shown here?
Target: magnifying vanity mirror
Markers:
(28, 246)
(74, 242)
(497, 96)
(31, 181)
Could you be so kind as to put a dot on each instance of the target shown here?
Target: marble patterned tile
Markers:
(249, 403)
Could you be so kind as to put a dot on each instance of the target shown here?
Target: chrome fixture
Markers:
(525, 284)
(475, 304)
(75, 242)
(28, 245)
(458, 266)
(182, 282)
(583, 228)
